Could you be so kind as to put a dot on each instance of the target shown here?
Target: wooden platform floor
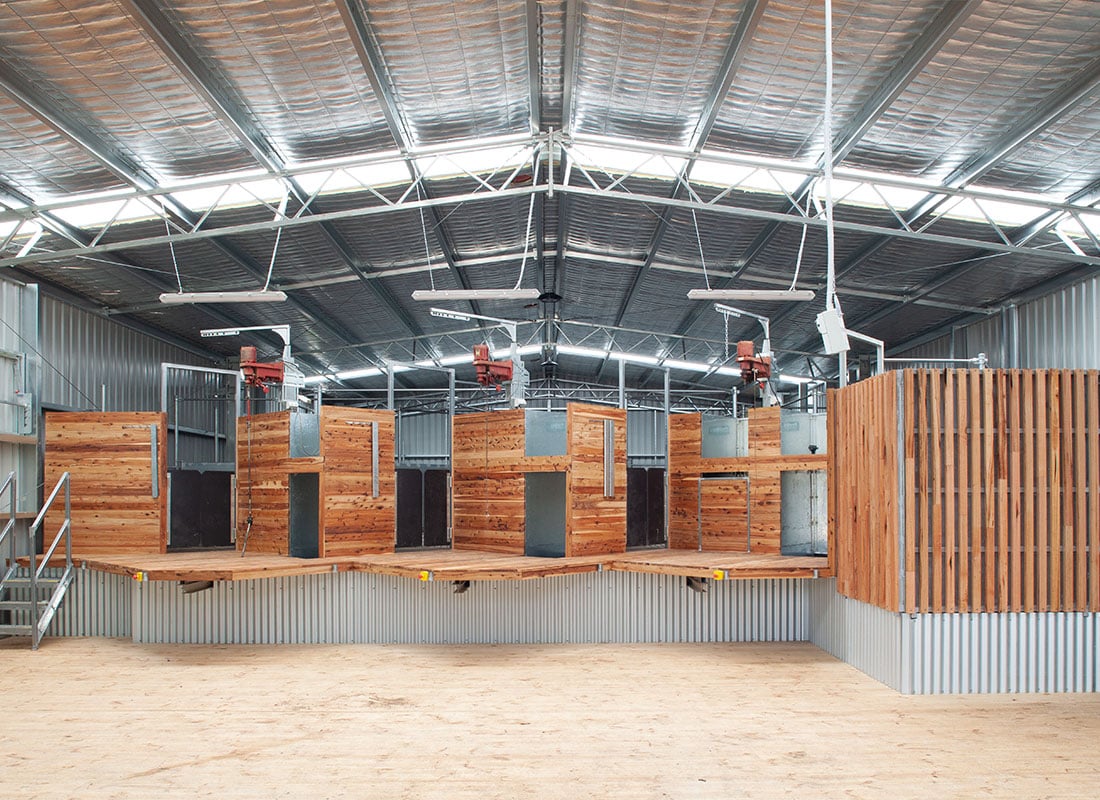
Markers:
(479, 722)
(451, 565)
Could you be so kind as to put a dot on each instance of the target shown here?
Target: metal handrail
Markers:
(9, 484)
(65, 530)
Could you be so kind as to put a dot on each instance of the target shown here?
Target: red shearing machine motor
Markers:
(490, 373)
(260, 373)
(753, 367)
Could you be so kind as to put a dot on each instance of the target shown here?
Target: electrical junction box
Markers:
(834, 336)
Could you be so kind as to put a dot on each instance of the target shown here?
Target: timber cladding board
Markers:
(354, 521)
(263, 486)
(488, 465)
(595, 523)
(1001, 490)
(109, 457)
(351, 520)
(692, 523)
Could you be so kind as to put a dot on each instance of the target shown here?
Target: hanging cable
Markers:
(172, 250)
(699, 241)
(278, 236)
(798, 261)
(427, 250)
(830, 283)
(526, 241)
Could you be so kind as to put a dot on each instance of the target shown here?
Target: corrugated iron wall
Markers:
(1059, 331)
(914, 654)
(82, 353)
(1016, 652)
(860, 634)
(362, 607)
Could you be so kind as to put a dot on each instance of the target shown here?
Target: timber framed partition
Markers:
(324, 482)
(967, 491)
(118, 467)
(493, 475)
(727, 502)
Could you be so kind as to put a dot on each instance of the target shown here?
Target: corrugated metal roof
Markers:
(101, 95)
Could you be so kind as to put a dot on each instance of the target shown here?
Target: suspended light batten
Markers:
(780, 295)
(476, 294)
(257, 296)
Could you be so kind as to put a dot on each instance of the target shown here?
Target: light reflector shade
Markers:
(258, 296)
(751, 294)
(476, 294)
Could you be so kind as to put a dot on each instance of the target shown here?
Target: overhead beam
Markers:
(210, 87)
(534, 71)
(569, 68)
(924, 48)
(77, 134)
(202, 80)
(374, 67)
(736, 47)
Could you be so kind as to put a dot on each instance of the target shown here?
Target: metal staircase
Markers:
(30, 599)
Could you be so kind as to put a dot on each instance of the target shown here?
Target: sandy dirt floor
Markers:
(107, 718)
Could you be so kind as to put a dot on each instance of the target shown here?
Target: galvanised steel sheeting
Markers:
(865, 636)
(423, 436)
(1012, 652)
(82, 352)
(1058, 331)
(96, 604)
(646, 433)
(361, 607)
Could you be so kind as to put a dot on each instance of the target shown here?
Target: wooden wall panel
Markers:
(488, 484)
(863, 475)
(353, 520)
(685, 443)
(1001, 491)
(596, 524)
(763, 467)
(724, 514)
(487, 490)
(263, 450)
(109, 457)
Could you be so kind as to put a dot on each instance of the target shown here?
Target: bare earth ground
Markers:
(107, 718)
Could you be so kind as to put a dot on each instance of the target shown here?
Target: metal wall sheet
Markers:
(865, 636)
(646, 434)
(19, 386)
(361, 607)
(423, 437)
(983, 653)
(82, 353)
(1058, 331)
(96, 604)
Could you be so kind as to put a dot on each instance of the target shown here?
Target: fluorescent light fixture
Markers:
(476, 294)
(751, 294)
(258, 296)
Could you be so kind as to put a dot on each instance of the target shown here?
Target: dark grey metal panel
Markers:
(544, 496)
(544, 433)
(305, 493)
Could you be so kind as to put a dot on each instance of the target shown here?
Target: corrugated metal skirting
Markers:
(958, 653)
(981, 653)
(865, 636)
(362, 607)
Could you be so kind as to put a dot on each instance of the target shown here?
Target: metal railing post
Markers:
(68, 523)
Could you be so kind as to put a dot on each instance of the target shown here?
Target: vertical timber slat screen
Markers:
(1000, 486)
